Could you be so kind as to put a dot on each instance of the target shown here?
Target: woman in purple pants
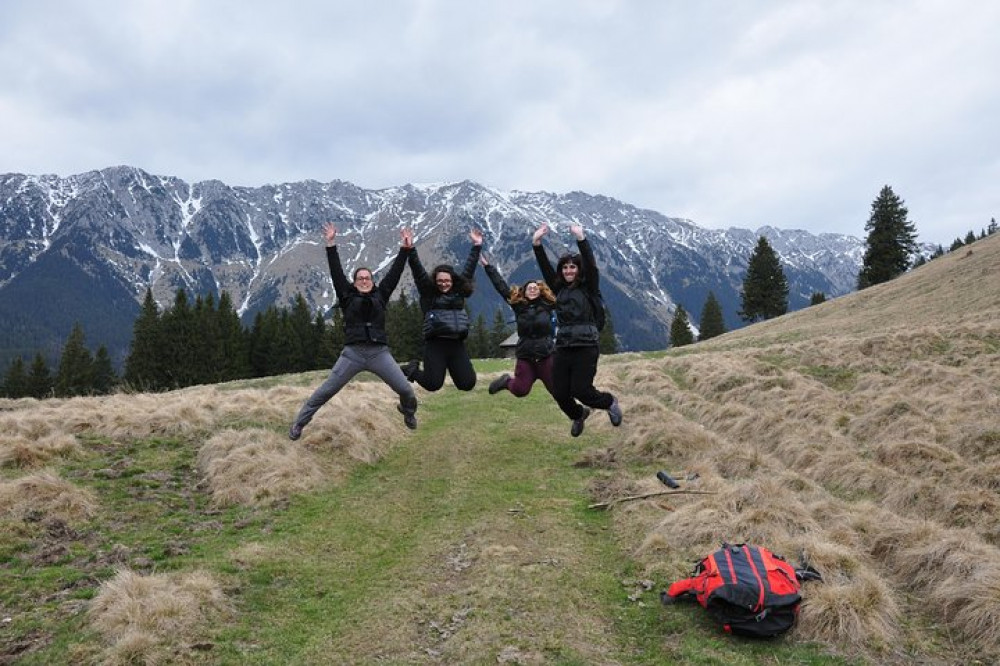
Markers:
(533, 304)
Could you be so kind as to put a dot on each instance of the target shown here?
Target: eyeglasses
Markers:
(363, 278)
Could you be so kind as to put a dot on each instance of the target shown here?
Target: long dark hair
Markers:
(459, 285)
(570, 258)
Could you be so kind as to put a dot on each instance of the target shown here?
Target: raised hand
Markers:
(577, 230)
(330, 234)
(536, 237)
(406, 237)
(483, 261)
(477, 237)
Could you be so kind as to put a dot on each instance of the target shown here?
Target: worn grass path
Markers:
(470, 543)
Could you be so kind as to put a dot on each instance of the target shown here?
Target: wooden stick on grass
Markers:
(630, 498)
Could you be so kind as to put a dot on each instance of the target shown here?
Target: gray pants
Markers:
(355, 359)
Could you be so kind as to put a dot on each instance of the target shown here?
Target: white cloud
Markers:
(789, 113)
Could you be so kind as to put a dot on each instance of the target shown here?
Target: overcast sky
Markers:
(740, 113)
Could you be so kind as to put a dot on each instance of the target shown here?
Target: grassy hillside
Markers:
(863, 433)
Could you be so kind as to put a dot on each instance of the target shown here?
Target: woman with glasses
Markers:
(533, 304)
(573, 280)
(366, 346)
(446, 323)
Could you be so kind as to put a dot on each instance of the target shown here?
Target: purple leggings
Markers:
(526, 372)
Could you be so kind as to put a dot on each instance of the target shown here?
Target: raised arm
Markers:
(340, 282)
(469, 270)
(423, 281)
(388, 284)
(591, 275)
(495, 278)
(548, 273)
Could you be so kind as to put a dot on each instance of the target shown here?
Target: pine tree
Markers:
(178, 336)
(765, 289)
(817, 298)
(325, 358)
(498, 333)
(233, 344)
(479, 338)
(15, 383)
(145, 363)
(75, 375)
(39, 384)
(712, 324)
(301, 329)
(680, 329)
(607, 343)
(891, 241)
(970, 237)
(105, 378)
(992, 229)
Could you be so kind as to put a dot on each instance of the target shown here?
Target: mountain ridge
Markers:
(261, 244)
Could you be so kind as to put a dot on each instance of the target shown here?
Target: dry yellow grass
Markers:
(43, 495)
(864, 431)
(154, 619)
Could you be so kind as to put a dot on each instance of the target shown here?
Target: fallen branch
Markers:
(610, 503)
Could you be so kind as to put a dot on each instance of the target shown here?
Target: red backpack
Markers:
(747, 589)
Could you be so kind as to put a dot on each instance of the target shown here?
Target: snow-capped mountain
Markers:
(86, 247)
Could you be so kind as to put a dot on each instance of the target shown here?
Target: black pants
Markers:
(573, 380)
(446, 355)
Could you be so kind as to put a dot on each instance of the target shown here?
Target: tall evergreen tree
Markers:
(145, 363)
(680, 329)
(404, 326)
(325, 358)
(180, 336)
(39, 383)
(607, 343)
(499, 332)
(891, 242)
(15, 383)
(300, 324)
(75, 375)
(479, 338)
(992, 229)
(711, 323)
(105, 378)
(765, 288)
(233, 341)
(817, 298)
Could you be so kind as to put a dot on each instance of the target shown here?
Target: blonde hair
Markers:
(517, 294)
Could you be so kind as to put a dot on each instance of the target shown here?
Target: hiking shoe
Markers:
(577, 428)
(409, 418)
(410, 369)
(615, 413)
(499, 384)
(294, 432)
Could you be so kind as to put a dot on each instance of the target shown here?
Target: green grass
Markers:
(470, 537)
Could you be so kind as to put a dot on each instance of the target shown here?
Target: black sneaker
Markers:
(410, 369)
(615, 413)
(294, 432)
(577, 429)
(409, 418)
(499, 384)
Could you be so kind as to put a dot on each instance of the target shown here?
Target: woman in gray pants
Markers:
(366, 346)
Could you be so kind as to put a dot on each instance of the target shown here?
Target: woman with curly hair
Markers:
(575, 281)
(533, 304)
(446, 323)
